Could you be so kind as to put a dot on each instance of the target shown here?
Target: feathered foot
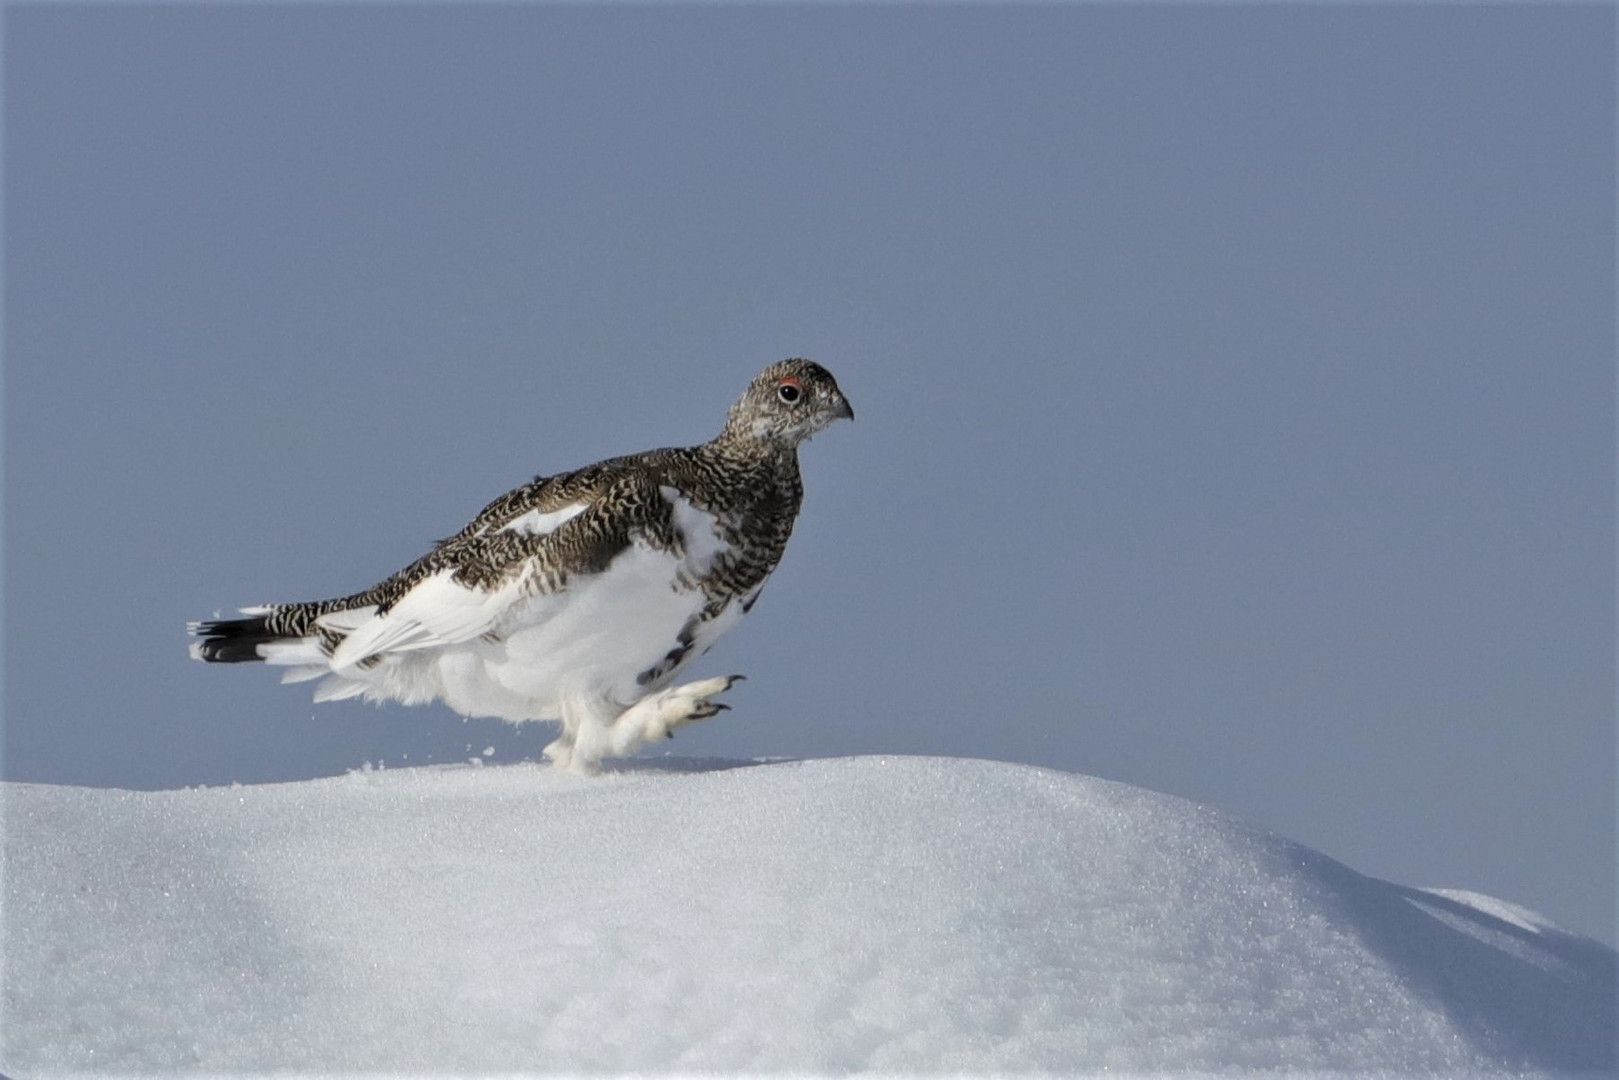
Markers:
(587, 738)
(559, 752)
(663, 712)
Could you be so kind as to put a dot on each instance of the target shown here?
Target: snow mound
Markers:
(899, 915)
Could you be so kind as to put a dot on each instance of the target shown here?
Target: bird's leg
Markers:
(658, 715)
(584, 737)
(559, 751)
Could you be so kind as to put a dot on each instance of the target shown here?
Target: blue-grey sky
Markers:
(1235, 385)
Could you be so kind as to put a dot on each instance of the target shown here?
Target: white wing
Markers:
(438, 611)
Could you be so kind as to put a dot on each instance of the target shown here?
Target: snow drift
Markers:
(891, 914)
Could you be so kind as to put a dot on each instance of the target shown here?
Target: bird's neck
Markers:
(746, 449)
(761, 465)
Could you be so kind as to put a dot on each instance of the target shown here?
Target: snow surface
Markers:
(898, 915)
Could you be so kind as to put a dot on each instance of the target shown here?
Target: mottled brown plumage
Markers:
(535, 541)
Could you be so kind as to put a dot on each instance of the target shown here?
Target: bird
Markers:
(576, 597)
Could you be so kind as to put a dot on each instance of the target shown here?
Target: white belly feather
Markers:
(518, 657)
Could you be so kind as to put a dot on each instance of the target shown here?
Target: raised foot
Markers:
(680, 705)
(661, 713)
(655, 715)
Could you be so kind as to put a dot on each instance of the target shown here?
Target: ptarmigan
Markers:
(575, 597)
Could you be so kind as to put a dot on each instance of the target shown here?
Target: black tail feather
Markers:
(231, 641)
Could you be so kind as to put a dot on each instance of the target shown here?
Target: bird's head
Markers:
(787, 403)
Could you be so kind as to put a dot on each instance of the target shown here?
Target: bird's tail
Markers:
(300, 635)
(301, 638)
(232, 641)
(295, 637)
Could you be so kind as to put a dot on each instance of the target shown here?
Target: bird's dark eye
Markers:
(789, 392)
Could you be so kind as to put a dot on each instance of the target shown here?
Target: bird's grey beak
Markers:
(845, 410)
